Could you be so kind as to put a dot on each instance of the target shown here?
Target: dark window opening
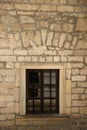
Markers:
(42, 91)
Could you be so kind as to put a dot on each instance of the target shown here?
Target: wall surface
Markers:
(43, 31)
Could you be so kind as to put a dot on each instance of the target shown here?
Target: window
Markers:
(42, 89)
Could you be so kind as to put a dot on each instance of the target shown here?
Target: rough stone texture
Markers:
(35, 31)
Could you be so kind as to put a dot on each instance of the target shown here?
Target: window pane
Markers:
(46, 80)
(46, 94)
(53, 80)
(53, 74)
(33, 77)
(53, 94)
(37, 102)
(46, 102)
(47, 74)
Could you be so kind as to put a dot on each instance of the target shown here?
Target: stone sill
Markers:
(41, 117)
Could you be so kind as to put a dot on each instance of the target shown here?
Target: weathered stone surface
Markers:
(82, 44)
(81, 24)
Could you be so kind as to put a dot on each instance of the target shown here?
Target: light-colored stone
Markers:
(75, 58)
(68, 86)
(44, 35)
(49, 39)
(68, 27)
(81, 24)
(78, 78)
(64, 8)
(62, 39)
(77, 90)
(75, 71)
(83, 71)
(82, 44)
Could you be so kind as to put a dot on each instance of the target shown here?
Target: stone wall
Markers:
(43, 31)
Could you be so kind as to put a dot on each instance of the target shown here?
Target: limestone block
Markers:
(7, 58)
(75, 58)
(73, 2)
(38, 51)
(68, 86)
(9, 65)
(2, 65)
(6, 52)
(11, 116)
(75, 96)
(25, 39)
(7, 6)
(37, 38)
(55, 39)
(67, 45)
(62, 39)
(4, 43)
(81, 24)
(48, 8)
(82, 44)
(64, 58)
(17, 94)
(7, 75)
(74, 41)
(68, 100)
(80, 52)
(44, 35)
(49, 38)
(2, 104)
(82, 84)
(28, 27)
(86, 90)
(67, 27)
(64, 8)
(11, 23)
(26, 19)
(15, 41)
(62, 1)
(52, 1)
(74, 84)
(2, 28)
(27, 58)
(56, 58)
(42, 24)
(20, 58)
(68, 110)
(37, 1)
(79, 103)
(78, 78)
(77, 90)
(83, 110)
(75, 71)
(42, 58)
(65, 52)
(35, 58)
(83, 71)
(26, 7)
(3, 117)
(20, 52)
(68, 73)
(17, 108)
(49, 58)
(6, 98)
(76, 65)
(56, 27)
(75, 109)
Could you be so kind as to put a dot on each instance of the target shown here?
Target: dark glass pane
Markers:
(33, 77)
(33, 92)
